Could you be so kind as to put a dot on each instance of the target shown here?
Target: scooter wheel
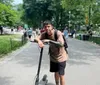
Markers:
(44, 78)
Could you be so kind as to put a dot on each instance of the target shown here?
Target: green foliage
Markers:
(7, 15)
(36, 11)
(95, 40)
(86, 8)
(70, 4)
(20, 13)
(96, 18)
(8, 44)
(91, 39)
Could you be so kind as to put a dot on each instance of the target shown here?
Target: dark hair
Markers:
(47, 22)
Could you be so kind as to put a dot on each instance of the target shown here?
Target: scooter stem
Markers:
(39, 66)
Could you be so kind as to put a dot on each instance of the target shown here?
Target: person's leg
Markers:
(56, 75)
(62, 79)
(54, 68)
(62, 66)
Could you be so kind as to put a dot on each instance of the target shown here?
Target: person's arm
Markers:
(53, 42)
(60, 39)
(56, 43)
(39, 41)
(59, 42)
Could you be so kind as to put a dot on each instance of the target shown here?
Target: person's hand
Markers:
(40, 43)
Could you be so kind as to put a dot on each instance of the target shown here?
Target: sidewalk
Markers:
(83, 64)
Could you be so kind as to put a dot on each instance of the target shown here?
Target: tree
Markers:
(8, 16)
(58, 11)
(85, 7)
(37, 11)
(20, 12)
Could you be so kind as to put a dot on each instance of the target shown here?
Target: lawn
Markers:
(9, 43)
(91, 39)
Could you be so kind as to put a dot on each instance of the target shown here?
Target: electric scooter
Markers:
(44, 80)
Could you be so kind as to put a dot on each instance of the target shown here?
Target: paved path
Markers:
(83, 65)
(20, 67)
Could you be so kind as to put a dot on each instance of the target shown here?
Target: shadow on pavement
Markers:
(5, 81)
(30, 56)
(82, 53)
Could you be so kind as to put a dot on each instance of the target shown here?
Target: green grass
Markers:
(95, 40)
(8, 44)
(92, 39)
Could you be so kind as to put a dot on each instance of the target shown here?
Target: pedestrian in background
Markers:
(29, 33)
(65, 32)
(1, 29)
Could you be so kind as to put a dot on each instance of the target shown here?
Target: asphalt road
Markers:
(20, 66)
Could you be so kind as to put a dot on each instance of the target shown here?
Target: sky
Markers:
(18, 1)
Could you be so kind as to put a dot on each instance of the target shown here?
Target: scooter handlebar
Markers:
(34, 41)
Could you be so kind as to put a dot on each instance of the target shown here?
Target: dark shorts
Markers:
(58, 67)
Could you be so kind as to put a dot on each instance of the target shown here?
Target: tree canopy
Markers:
(60, 12)
(9, 15)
